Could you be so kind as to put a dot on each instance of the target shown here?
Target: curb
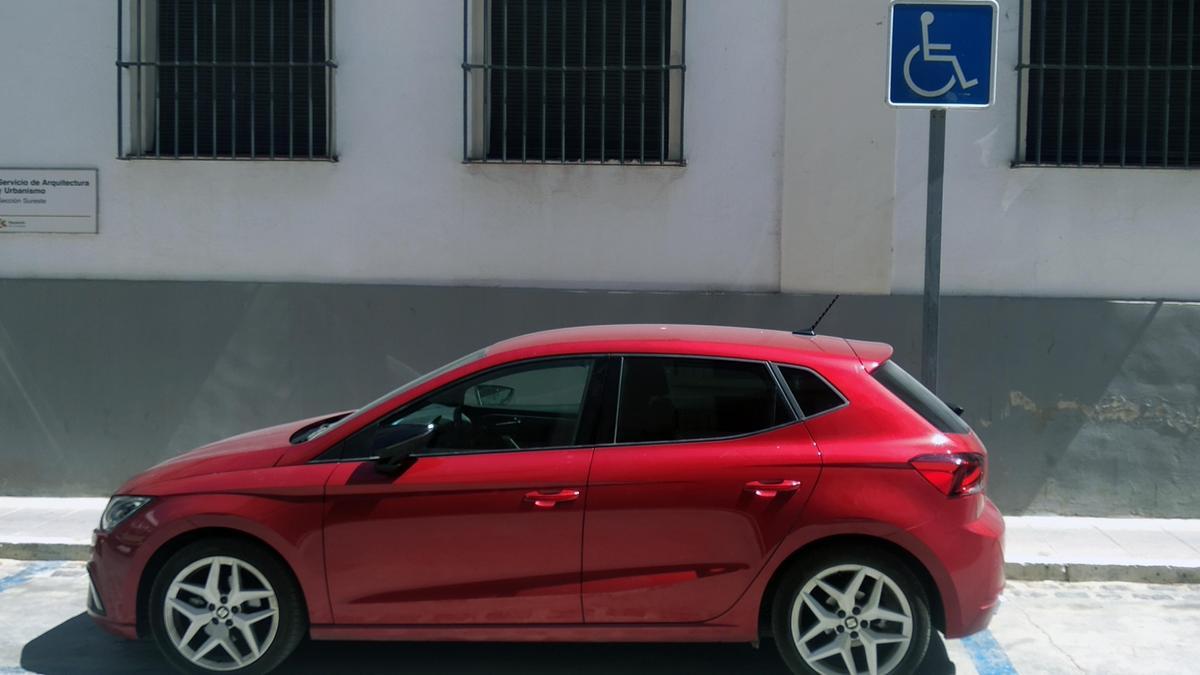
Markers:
(1073, 572)
(1013, 571)
(13, 551)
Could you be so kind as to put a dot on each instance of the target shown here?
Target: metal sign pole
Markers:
(931, 307)
(941, 55)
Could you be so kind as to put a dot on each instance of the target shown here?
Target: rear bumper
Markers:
(971, 558)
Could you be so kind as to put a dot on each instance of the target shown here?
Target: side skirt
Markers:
(538, 633)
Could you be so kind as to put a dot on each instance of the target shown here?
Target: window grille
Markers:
(573, 81)
(1109, 83)
(225, 79)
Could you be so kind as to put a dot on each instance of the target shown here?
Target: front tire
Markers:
(226, 605)
(851, 611)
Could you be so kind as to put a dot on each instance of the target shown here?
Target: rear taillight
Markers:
(955, 475)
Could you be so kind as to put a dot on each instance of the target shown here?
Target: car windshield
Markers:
(431, 375)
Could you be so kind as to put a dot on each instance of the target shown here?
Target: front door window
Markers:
(526, 407)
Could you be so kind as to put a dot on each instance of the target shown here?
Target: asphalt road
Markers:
(1042, 627)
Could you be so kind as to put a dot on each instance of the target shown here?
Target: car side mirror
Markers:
(394, 458)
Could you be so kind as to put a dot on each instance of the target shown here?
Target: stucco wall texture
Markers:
(1088, 407)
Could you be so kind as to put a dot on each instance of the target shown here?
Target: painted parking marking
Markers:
(28, 573)
(988, 655)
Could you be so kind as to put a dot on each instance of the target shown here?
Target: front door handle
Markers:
(547, 499)
(769, 489)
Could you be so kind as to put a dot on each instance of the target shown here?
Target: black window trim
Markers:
(591, 398)
(796, 419)
(778, 369)
(602, 398)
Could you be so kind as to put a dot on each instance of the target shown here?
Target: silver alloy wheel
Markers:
(221, 613)
(852, 619)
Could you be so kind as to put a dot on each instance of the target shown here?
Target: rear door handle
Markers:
(769, 489)
(549, 498)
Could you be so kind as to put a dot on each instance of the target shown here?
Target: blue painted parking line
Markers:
(988, 655)
(28, 574)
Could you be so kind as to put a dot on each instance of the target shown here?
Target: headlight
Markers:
(120, 508)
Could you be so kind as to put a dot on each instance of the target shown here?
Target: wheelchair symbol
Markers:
(927, 49)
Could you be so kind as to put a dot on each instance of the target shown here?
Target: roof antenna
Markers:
(811, 331)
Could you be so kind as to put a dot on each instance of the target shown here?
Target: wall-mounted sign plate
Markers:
(48, 200)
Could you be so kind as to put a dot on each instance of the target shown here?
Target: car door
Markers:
(485, 525)
(708, 473)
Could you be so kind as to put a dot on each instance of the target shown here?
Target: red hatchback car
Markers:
(609, 483)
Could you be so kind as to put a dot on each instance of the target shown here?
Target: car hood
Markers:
(257, 449)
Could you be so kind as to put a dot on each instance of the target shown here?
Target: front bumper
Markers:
(112, 586)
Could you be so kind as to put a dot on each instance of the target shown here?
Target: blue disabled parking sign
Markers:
(943, 54)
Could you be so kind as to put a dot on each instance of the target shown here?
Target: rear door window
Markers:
(916, 396)
(665, 399)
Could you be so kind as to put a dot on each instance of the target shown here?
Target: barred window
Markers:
(583, 81)
(225, 79)
(1110, 83)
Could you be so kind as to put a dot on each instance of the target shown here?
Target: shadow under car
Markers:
(78, 646)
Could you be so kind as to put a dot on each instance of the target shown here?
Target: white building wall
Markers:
(400, 206)
(1110, 233)
(839, 140)
(788, 140)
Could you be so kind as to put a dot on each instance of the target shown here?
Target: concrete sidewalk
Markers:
(1038, 548)
(1057, 548)
(48, 528)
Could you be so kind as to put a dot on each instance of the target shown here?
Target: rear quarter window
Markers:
(813, 394)
(924, 402)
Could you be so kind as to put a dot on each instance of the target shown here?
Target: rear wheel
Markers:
(226, 605)
(851, 612)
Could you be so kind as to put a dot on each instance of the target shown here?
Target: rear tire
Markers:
(226, 605)
(851, 610)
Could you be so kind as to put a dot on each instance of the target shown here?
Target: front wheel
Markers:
(851, 612)
(226, 605)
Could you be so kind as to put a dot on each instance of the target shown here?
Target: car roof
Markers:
(692, 340)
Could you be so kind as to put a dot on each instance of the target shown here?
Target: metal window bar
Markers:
(1187, 101)
(562, 114)
(213, 70)
(1146, 86)
(1104, 88)
(583, 84)
(291, 72)
(1167, 85)
(581, 116)
(1082, 84)
(201, 106)
(1135, 49)
(157, 116)
(1125, 83)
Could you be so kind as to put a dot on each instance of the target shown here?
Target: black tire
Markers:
(292, 614)
(814, 566)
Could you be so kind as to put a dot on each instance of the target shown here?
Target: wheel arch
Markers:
(936, 608)
(171, 546)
